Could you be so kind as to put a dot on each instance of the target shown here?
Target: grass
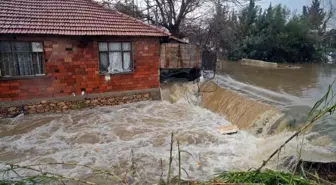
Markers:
(267, 177)
(79, 105)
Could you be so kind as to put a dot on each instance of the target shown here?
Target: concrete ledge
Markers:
(258, 63)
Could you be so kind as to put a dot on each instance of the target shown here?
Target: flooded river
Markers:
(133, 140)
(300, 85)
(292, 90)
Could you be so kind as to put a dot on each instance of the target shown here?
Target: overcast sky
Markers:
(291, 4)
(296, 5)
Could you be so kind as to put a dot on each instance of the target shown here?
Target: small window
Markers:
(115, 57)
(21, 59)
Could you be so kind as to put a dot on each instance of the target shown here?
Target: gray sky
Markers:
(296, 5)
(291, 4)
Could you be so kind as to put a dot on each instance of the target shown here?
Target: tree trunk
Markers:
(175, 31)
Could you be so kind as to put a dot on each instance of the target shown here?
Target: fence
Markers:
(174, 55)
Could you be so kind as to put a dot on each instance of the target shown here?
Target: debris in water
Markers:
(20, 114)
(228, 129)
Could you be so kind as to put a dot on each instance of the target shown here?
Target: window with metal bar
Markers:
(21, 59)
(115, 57)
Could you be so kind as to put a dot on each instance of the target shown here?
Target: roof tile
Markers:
(69, 17)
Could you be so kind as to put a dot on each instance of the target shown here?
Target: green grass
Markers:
(79, 105)
(267, 177)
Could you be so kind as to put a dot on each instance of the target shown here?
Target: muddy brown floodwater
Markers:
(133, 139)
(303, 85)
(292, 90)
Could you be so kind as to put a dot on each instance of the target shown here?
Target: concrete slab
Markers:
(228, 129)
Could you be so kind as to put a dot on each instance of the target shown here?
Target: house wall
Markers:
(69, 72)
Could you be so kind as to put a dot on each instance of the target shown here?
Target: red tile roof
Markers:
(69, 17)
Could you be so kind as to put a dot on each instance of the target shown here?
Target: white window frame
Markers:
(107, 52)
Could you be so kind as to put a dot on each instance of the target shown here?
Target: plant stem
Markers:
(75, 164)
(283, 145)
(57, 176)
(170, 157)
(179, 160)
(314, 119)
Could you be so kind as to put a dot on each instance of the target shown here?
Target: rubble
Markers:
(228, 129)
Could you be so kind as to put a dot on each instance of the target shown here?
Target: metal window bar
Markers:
(5, 57)
(14, 62)
(21, 62)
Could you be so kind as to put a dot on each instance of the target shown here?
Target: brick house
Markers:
(53, 49)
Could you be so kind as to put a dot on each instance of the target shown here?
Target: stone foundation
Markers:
(65, 105)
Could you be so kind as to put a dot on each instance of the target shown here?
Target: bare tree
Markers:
(200, 35)
(216, 33)
(128, 7)
(172, 14)
(330, 14)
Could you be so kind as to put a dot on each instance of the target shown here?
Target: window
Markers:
(21, 58)
(115, 57)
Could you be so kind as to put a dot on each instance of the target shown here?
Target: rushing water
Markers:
(133, 140)
(292, 90)
(105, 138)
(285, 86)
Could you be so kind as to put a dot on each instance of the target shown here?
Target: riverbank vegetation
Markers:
(277, 35)
(235, 29)
(274, 34)
(268, 177)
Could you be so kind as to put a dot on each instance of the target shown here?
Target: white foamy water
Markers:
(258, 93)
(104, 138)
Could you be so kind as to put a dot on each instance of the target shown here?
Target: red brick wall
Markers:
(70, 72)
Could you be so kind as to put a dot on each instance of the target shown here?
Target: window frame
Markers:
(13, 53)
(108, 42)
